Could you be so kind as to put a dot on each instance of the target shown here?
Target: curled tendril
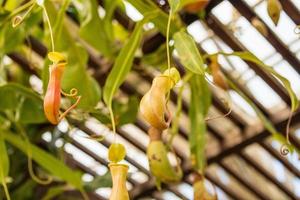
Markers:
(73, 93)
(218, 117)
(284, 151)
(78, 98)
(297, 30)
(17, 20)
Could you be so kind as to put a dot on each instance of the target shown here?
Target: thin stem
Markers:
(168, 48)
(50, 28)
(220, 116)
(288, 127)
(174, 129)
(5, 189)
(84, 194)
(78, 98)
(112, 118)
(167, 41)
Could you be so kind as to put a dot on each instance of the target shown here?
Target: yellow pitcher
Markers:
(119, 174)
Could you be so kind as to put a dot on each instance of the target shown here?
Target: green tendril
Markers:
(50, 28)
(29, 160)
(17, 20)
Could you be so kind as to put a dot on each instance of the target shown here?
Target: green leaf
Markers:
(185, 2)
(99, 181)
(265, 121)
(4, 161)
(110, 7)
(252, 58)
(188, 52)
(75, 74)
(54, 191)
(46, 160)
(124, 113)
(27, 103)
(92, 29)
(123, 63)
(127, 112)
(199, 104)
(174, 4)
(25, 191)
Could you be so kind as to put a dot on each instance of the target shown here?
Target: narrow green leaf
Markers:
(265, 121)
(4, 161)
(199, 104)
(188, 52)
(46, 160)
(123, 63)
(252, 58)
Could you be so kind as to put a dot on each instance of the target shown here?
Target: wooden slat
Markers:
(280, 158)
(280, 47)
(291, 10)
(245, 183)
(229, 39)
(253, 163)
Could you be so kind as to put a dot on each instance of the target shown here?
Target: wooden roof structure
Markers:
(243, 160)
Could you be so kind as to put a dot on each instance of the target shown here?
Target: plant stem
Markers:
(50, 28)
(112, 118)
(5, 189)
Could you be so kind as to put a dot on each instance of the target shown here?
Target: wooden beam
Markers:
(253, 163)
(280, 158)
(273, 39)
(235, 45)
(291, 10)
(258, 193)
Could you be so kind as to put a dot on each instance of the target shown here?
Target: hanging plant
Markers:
(53, 94)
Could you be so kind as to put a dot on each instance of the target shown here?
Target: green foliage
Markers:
(112, 45)
(174, 4)
(199, 104)
(123, 63)
(75, 75)
(99, 181)
(25, 191)
(54, 191)
(188, 52)
(247, 56)
(46, 160)
(95, 30)
(4, 161)
(27, 104)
